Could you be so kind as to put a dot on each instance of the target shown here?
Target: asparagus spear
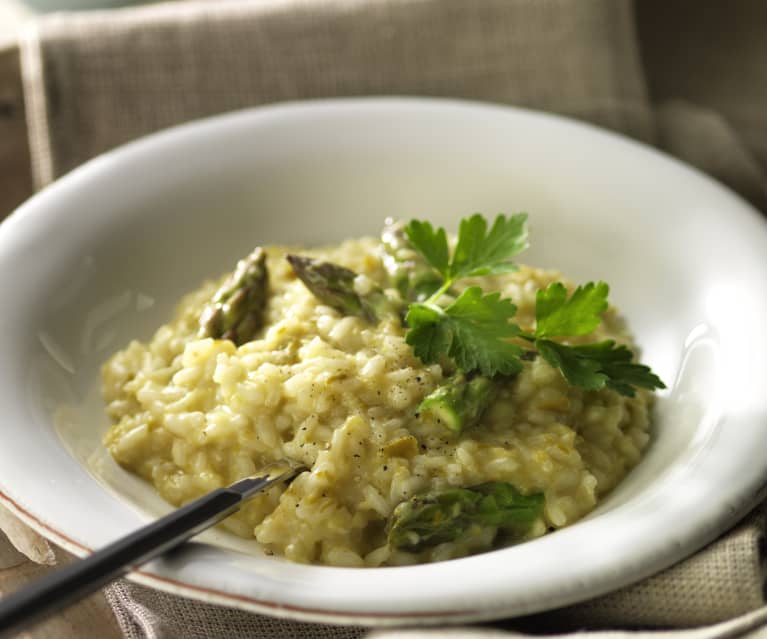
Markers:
(410, 274)
(237, 309)
(428, 520)
(334, 285)
(460, 402)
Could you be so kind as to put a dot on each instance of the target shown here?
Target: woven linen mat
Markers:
(93, 81)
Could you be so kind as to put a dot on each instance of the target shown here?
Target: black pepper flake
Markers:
(386, 467)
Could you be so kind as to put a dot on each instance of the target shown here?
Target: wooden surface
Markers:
(15, 173)
(92, 617)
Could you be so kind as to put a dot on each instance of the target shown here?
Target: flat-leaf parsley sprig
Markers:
(590, 366)
(475, 330)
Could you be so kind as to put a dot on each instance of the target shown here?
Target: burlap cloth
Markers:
(686, 76)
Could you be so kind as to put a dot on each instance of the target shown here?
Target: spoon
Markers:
(71, 583)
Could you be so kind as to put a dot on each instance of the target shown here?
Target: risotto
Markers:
(341, 394)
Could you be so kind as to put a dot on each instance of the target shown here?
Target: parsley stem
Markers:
(439, 292)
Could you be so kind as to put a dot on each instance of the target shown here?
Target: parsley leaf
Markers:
(430, 243)
(594, 366)
(555, 315)
(429, 334)
(472, 331)
(589, 366)
(477, 253)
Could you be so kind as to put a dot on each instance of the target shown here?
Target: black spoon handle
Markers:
(77, 580)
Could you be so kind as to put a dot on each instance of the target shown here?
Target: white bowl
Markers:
(102, 256)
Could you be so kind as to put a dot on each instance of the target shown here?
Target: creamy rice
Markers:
(340, 395)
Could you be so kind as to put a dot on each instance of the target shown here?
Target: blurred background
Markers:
(687, 70)
(14, 13)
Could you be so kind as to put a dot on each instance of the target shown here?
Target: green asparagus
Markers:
(334, 285)
(460, 402)
(410, 273)
(236, 311)
(435, 518)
